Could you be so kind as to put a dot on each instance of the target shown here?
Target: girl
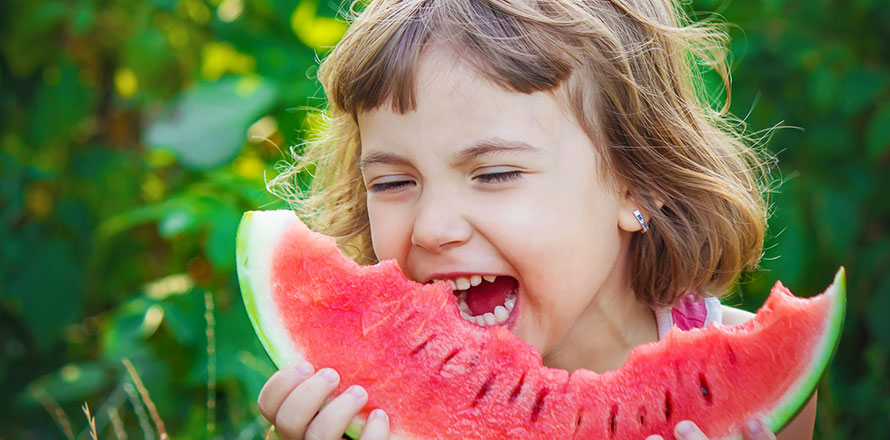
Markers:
(553, 159)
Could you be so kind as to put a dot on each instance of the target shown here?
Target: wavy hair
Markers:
(628, 70)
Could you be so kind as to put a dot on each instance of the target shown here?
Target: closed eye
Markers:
(505, 176)
(390, 186)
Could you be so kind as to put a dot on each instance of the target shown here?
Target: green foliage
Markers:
(133, 134)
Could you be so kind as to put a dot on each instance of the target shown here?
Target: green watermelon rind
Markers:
(796, 400)
(249, 296)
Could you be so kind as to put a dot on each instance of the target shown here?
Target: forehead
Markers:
(456, 106)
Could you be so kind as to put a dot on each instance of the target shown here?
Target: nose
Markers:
(440, 223)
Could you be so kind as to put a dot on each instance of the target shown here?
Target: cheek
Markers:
(389, 232)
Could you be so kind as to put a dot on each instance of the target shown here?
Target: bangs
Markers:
(508, 44)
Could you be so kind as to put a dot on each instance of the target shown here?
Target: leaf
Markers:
(877, 313)
(130, 325)
(70, 383)
(861, 87)
(28, 42)
(878, 136)
(839, 220)
(208, 124)
(185, 318)
(220, 245)
(60, 104)
(50, 287)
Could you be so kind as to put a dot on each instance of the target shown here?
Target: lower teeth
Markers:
(498, 316)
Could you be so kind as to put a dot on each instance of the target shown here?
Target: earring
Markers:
(641, 220)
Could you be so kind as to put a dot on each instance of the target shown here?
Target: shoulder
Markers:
(734, 316)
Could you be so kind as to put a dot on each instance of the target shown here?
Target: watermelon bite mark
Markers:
(439, 376)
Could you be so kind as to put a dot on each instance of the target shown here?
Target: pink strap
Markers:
(690, 312)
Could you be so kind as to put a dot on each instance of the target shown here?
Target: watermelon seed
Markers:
(484, 390)
(578, 421)
(422, 345)
(539, 403)
(450, 356)
(667, 405)
(613, 420)
(705, 391)
(517, 389)
(642, 415)
(731, 354)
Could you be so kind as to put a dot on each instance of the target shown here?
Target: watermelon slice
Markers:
(439, 376)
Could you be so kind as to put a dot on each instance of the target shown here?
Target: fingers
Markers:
(301, 405)
(279, 386)
(687, 430)
(377, 427)
(756, 430)
(336, 415)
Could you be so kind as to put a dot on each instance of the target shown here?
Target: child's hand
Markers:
(686, 430)
(293, 399)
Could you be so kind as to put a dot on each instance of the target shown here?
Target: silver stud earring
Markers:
(641, 220)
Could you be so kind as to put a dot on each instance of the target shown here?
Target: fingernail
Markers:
(378, 414)
(330, 375)
(685, 428)
(304, 369)
(357, 392)
(754, 427)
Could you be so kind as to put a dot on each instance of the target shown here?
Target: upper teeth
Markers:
(464, 283)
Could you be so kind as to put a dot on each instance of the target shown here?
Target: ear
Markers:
(627, 221)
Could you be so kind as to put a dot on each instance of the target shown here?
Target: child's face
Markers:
(481, 181)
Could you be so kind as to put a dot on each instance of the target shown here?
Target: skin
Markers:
(451, 186)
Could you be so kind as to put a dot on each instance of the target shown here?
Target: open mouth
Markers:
(485, 300)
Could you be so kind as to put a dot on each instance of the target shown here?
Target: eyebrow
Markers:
(380, 157)
(479, 149)
(491, 146)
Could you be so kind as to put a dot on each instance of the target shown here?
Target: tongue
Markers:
(486, 296)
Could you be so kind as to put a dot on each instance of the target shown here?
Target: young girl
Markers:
(557, 150)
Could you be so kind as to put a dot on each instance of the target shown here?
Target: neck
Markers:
(611, 326)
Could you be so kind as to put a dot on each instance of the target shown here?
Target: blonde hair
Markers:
(627, 70)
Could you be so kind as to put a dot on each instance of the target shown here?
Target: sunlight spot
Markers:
(262, 129)
(71, 373)
(38, 199)
(218, 59)
(153, 317)
(153, 188)
(230, 10)
(249, 167)
(315, 31)
(126, 83)
(247, 86)
(170, 285)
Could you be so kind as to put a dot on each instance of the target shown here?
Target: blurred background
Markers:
(134, 133)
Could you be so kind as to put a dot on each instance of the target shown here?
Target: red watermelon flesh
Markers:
(439, 376)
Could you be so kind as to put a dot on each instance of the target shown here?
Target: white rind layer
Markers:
(258, 238)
